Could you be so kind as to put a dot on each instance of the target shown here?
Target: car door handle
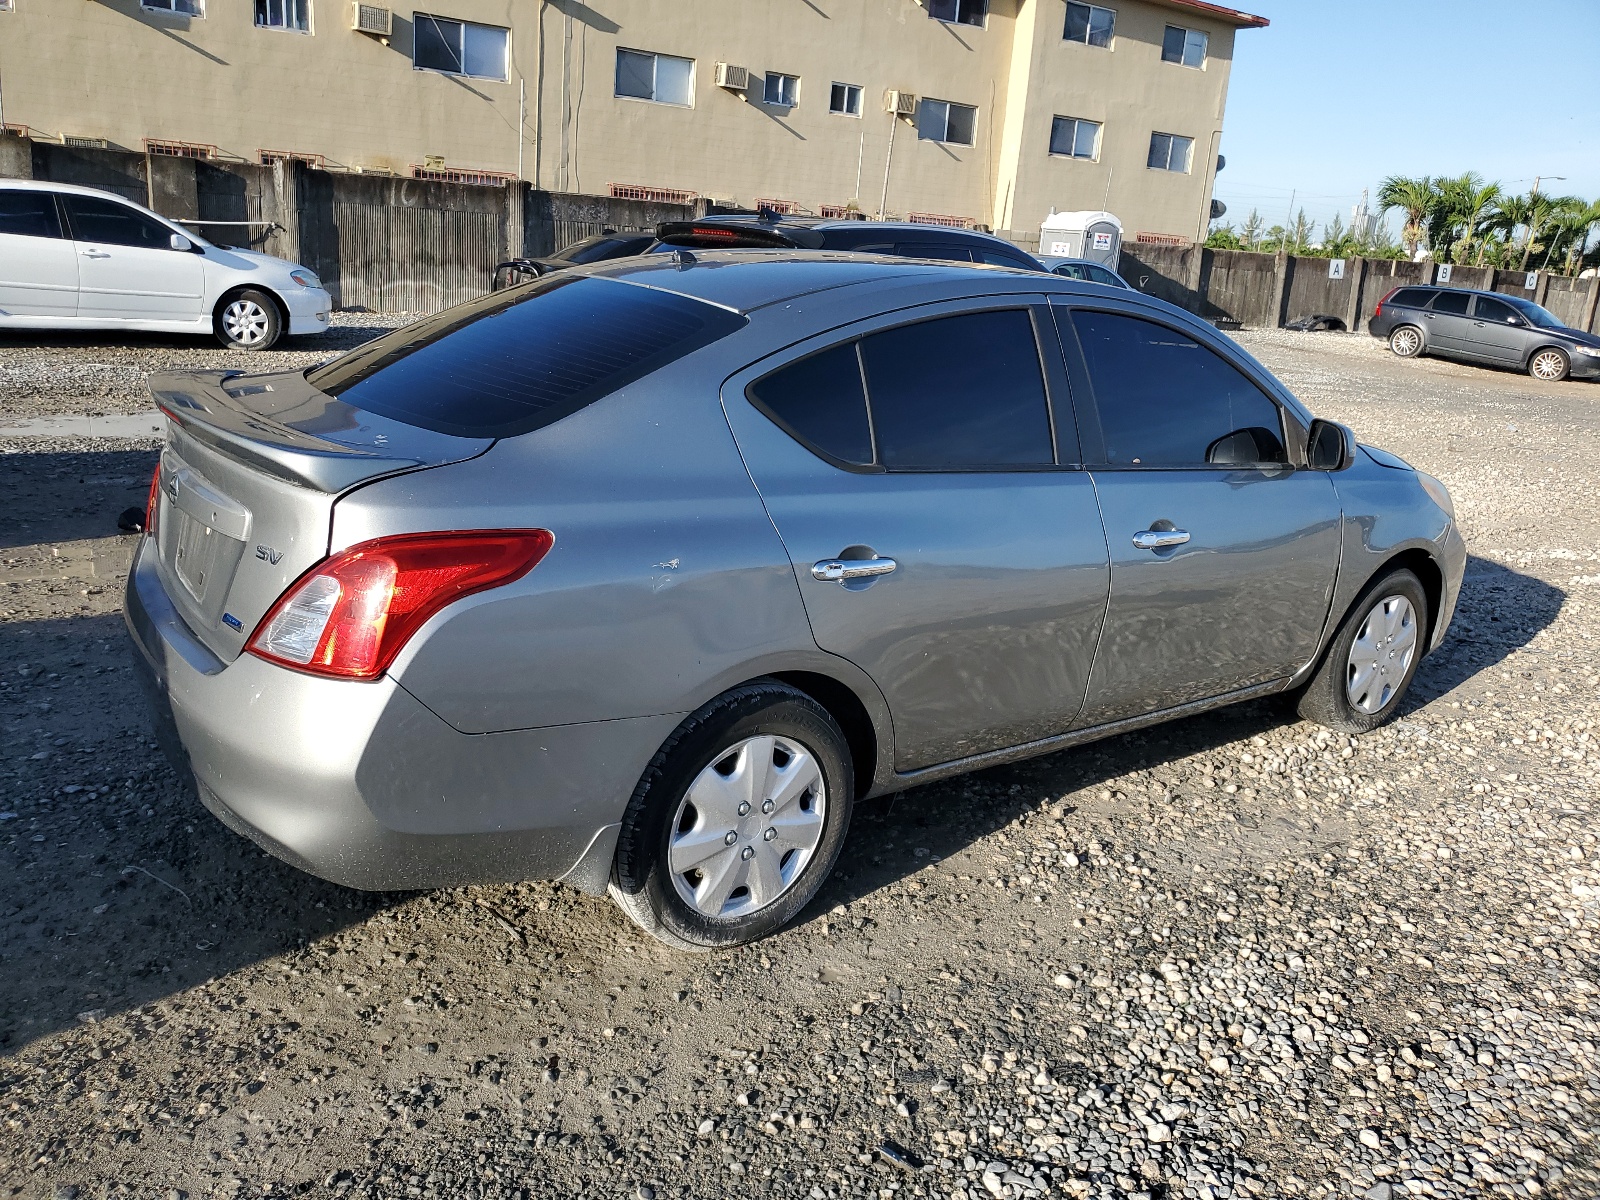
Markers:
(1157, 539)
(843, 570)
(95, 254)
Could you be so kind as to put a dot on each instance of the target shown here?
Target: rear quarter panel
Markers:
(666, 582)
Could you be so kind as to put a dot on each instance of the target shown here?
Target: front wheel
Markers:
(738, 820)
(1406, 341)
(249, 320)
(1549, 365)
(1372, 659)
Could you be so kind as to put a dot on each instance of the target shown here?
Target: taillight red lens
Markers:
(1378, 312)
(151, 501)
(350, 614)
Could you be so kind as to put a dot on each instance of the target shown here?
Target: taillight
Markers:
(1378, 312)
(349, 615)
(151, 501)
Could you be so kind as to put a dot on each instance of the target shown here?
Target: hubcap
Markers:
(1406, 342)
(1547, 365)
(747, 827)
(1381, 655)
(245, 322)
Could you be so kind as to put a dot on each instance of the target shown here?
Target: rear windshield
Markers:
(515, 361)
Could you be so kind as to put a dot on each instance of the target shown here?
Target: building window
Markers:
(1169, 152)
(458, 47)
(782, 91)
(5, 5)
(1184, 46)
(284, 14)
(942, 121)
(658, 77)
(845, 99)
(182, 8)
(1090, 24)
(1072, 137)
(959, 12)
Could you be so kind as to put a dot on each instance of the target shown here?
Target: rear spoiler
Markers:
(283, 426)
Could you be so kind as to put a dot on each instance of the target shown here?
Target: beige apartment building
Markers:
(993, 112)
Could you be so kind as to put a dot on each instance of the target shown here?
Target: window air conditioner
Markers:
(735, 79)
(901, 104)
(373, 19)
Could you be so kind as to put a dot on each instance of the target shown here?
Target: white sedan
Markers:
(78, 258)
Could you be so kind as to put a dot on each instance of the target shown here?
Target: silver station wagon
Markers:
(639, 575)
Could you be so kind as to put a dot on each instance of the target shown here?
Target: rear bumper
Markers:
(360, 784)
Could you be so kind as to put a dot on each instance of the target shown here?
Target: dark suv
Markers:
(769, 231)
(1486, 327)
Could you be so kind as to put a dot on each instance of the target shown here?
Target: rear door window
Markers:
(515, 361)
(1454, 303)
(821, 403)
(29, 214)
(957, 393)
(106, 221)
(1164, 400)
(963, 392)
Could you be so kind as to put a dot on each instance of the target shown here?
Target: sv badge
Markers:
(268, 554)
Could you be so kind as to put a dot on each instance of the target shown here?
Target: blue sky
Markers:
(1336, 94)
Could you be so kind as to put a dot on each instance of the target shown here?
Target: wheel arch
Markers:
(239, 289)
(1414, 559)
(850, 712)
(1527, 359)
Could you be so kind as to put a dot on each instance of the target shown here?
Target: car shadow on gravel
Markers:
(337, 338)
(1499, 612)
(117, 888)
(69, 495)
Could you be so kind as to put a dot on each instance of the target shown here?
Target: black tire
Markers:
(247, 320)
(641, 881)
(1549, 364)
(1406, 341)
(1326, 698)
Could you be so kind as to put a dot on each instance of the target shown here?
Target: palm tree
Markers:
(1467, 198)
(1571, 223)
(1417, 198)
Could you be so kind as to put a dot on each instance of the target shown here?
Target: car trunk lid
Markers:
(249, 475)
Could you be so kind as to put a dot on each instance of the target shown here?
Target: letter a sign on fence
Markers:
(1336, 268)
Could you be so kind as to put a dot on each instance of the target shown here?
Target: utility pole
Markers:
(1289, 220)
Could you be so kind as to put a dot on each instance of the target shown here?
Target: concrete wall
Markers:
(114, 70)
(1239, 286)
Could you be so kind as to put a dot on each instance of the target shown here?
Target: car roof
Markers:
(41, 185)
(747, 280)
(822, 224)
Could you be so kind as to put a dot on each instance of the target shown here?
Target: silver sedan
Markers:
(639, 576)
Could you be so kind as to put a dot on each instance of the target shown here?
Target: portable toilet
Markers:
(1093, 235)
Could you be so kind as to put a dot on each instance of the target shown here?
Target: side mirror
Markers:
(178, 242)
(1331, 446)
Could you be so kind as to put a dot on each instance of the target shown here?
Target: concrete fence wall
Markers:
(1269, 290)
(391, 244)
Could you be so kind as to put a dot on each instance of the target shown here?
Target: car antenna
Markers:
(685, 259)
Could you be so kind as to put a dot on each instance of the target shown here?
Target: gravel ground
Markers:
(88, 374)
(1231, 957)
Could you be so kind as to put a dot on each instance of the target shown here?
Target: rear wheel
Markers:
(1406, 341)
(1372, 659)
(738, 820)
(1549, 365)
(248, 320)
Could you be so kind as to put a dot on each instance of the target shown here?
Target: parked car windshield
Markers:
(515, 361)
(1537, 315)
(603, 246)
